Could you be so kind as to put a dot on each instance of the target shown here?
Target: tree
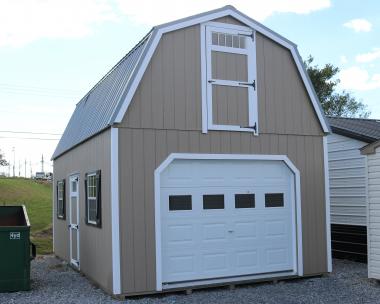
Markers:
(334, 103)
(3, 162)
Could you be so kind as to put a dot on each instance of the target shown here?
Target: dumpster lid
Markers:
(13, 216)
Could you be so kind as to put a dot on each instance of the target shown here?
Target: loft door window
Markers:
(231, 79)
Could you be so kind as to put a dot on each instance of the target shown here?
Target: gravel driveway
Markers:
(54, 282)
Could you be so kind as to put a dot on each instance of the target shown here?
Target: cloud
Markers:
(368, 57)
(156, 12)
(356, 78)
(359, 25)
(343, 59)
(24, 21)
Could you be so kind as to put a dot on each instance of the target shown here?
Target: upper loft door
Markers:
(231, 78)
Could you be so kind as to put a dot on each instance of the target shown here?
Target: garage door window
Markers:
(274, 200)
(213, 201)
(244, 201)
(180, 202)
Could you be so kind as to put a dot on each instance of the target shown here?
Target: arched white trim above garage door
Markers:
(188, 156)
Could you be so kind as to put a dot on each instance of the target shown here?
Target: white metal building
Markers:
(348, 184)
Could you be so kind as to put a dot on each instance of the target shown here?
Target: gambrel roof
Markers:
(106, 103)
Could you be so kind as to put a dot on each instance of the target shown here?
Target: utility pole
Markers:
(14, 160)
(25, 168)
(19, 168)
(31, 171)
(42, 163)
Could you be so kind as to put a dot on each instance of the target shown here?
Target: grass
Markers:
(37, 198)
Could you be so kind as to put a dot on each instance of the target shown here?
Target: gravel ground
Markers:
(55, 282)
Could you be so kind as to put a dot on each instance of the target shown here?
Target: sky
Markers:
(52, 52)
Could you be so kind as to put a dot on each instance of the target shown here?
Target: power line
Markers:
(27, 132)
(35, 138)
(34, 88)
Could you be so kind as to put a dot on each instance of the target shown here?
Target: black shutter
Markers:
(63, 215)
(98, 199)
(57, 204)
(64, 200)
(85, 199)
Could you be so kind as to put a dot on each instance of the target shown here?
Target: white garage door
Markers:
(225, 218)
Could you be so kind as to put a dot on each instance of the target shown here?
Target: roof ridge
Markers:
(116, 66)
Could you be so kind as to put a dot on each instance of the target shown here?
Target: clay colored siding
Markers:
(95, 243)
(169, 95)
(144, 150)
(165, 117)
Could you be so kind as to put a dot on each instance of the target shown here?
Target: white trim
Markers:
(76, 263)
(54, 206)
(157, 198)
(327, 200)
(367, 220)
(92, 198)
(203, 80)
(156, 36)
(116, 276)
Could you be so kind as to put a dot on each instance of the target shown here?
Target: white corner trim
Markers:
(203, 79)
(55, 201)
(367, 213)
(116, 278)
(191, 156)
(327, 200)
(156, 36)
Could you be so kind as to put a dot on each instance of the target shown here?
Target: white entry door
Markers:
(74, 220)
(226, 218)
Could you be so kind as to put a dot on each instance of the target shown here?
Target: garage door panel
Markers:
(277, 259)
(180, 233)
(250, 237)
(214, 232)
(214, 262)
(275, 229)
(247, 258)
(245, 231)
(181, 265)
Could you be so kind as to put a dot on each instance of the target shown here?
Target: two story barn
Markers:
(199, 159)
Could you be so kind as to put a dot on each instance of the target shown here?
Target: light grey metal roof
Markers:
(367, 130)
(94, 111)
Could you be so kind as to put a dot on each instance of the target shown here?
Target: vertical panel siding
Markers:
(95, 243)
(171, 88)
(374, 215)
(151, 147)
(175, 91)
(347, 181)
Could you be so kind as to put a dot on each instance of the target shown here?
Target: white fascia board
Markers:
(202, 18)
(115, 218)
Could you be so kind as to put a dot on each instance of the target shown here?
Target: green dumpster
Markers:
(16, 250)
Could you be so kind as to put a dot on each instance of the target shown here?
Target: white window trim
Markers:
(297, 231)
(60, 198)
(206, 48)
(91, 197)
